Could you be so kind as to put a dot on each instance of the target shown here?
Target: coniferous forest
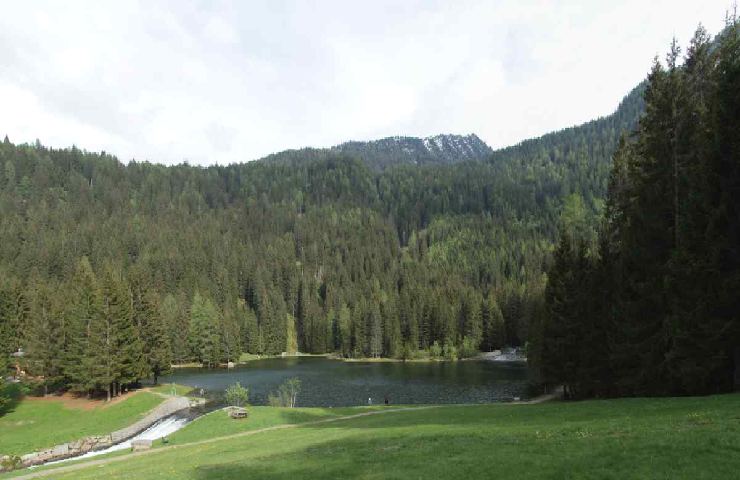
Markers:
(608, 250)
(652, 308)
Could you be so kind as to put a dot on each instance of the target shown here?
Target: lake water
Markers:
(332, 383)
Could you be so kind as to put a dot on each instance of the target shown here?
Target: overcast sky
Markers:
(223, 82)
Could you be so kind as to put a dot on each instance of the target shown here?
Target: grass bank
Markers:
(219, 424)
(171, 389)
(36, 423)
(613, 439)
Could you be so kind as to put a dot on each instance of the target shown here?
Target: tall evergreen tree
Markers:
(83, 321)
(43, 349)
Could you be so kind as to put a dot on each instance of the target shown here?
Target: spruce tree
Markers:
(43, 348)
(83, 321)
(154, 337)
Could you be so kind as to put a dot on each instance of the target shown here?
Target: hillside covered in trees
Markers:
(109, 271)
(655, 309)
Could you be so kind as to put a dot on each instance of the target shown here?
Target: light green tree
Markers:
(236, 395)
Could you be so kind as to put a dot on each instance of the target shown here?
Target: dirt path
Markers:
(106, 461)
(81, 402)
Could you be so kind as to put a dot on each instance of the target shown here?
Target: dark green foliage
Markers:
(83, 323)
(493, 325)
(203, 337)
(156, 349)
(44, 335)
(657, 312)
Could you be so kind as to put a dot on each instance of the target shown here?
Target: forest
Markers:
(110, 272)
(135, 266)
(651, 307)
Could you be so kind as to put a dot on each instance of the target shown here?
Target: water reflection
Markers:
(327, 383)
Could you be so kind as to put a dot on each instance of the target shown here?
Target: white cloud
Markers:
(225, 82)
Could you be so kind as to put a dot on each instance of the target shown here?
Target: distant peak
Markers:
(435, 149)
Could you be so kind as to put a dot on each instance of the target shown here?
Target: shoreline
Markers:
(484, 356)
(252, 358)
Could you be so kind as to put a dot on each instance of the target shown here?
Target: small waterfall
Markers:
(162, 428)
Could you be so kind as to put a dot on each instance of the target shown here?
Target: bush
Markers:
(286, 395)
(435, 351)
(469, 348)
(410, 352)
(10, 462)
(449, 351)
(4, 397)
(236, 395)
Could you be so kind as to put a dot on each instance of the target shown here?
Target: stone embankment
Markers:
(99, 442)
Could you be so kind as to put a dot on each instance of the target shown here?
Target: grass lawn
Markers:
(614, 439)
(33, 423)
(167, 389)
(218, 423)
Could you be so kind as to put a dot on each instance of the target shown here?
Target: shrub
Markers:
(449, 351)
(286, 395)
(469, 348)
(236, 395)
(435, 351)
(10, 462)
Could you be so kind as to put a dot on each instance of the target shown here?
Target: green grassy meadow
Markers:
(219, 424)
(33, 424)
(666, 438)
(171, 388)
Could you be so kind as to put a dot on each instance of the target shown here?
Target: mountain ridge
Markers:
(435, 149)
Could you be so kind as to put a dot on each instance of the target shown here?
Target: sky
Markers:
(223, 82)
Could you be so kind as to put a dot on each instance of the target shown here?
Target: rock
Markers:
(60, 450)
(30, 459)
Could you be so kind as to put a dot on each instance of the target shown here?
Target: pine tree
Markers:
(204, 335)
(470, 319)
(83, 321)
(106, 338)
(345, 330)
(43, 349)
(250, 330)
(376, 333)
(493, 324)
(154, 338)
(132, 310)
(176, 323)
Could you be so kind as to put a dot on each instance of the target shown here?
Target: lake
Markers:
(332, 383)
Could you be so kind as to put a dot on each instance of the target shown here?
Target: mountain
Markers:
(394, 151)
(438, 149)
(367, 248)
(596, 139)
